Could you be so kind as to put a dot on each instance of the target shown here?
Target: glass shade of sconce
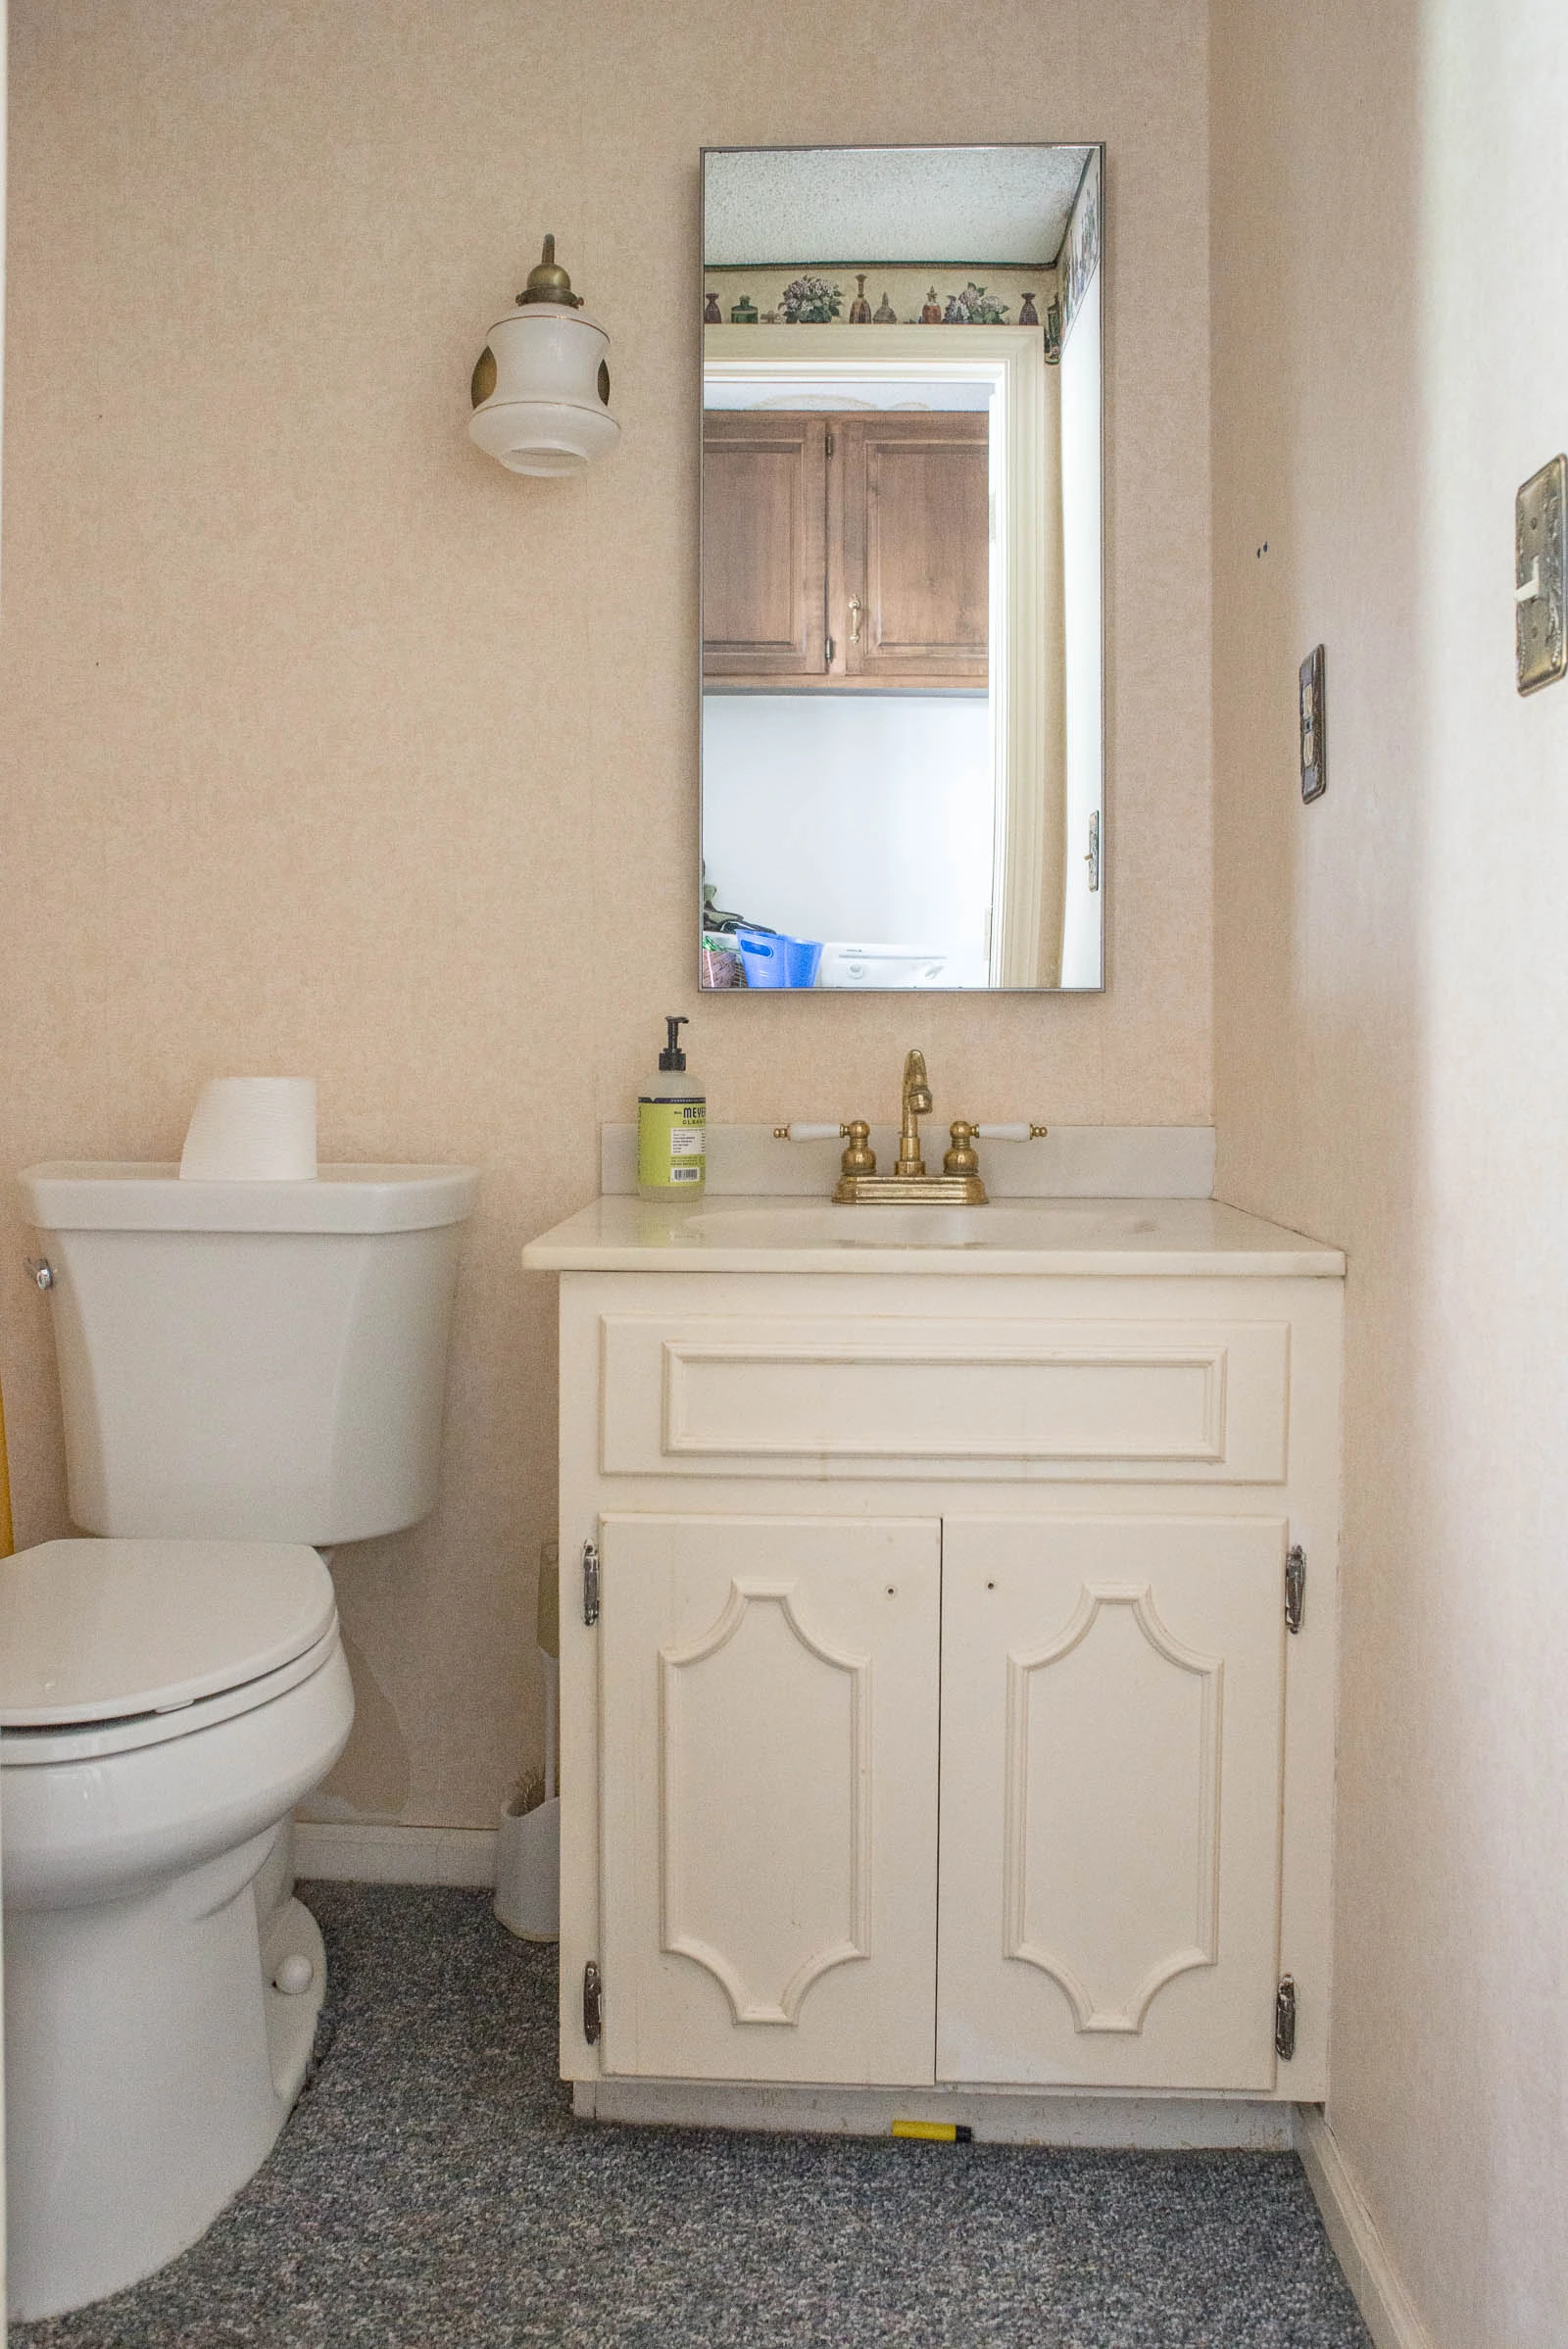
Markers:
(541, 388)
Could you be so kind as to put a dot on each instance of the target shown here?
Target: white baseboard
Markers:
(344, 1851)
(1359, 2248)
(998, 2117)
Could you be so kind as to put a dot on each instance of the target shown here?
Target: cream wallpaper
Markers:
(1392, 1050)
(330, 748)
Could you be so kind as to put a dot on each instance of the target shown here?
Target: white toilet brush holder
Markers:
(529, 1870)
(528, 1843)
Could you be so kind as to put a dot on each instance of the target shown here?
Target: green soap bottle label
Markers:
(670, 1139)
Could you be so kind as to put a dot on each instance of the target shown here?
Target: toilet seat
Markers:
(94, 1741)
(106, 1645)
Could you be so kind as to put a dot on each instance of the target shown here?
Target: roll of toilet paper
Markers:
(252, 1130)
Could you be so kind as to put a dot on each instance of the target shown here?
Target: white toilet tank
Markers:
(251, 1361)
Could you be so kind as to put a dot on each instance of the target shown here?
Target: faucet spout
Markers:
(917, 1104)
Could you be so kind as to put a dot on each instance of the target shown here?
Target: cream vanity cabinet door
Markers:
(769, 1703)
(1111, 1753)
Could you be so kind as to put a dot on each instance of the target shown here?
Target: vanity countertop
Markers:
(1197, 1238)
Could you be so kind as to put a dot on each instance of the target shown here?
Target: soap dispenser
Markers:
(671, 1127)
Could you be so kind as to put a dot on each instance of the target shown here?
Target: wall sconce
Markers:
(541, 388)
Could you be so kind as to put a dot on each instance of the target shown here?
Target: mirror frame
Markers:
(1021, 711)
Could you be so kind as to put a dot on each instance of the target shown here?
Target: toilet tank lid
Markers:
(91, 1196)
(96, 1631)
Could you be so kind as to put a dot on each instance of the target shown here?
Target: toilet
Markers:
(251, 1373)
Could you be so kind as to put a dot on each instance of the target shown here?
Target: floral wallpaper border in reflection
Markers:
(901, 294)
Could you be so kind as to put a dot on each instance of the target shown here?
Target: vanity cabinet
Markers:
(1100, 1807)
(941, 1725)
(846, 551)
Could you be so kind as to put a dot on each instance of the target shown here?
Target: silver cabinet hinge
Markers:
(1295, 1587)
(590, 1582)
(827, 646)
(830, 444)
(593, 2004)
(1285, 2018)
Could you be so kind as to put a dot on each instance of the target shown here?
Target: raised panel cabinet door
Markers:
(768, 1785)
(917, 582)
(765, 517)
(1112, 1737)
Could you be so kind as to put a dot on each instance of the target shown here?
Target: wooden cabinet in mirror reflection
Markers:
(845, 551)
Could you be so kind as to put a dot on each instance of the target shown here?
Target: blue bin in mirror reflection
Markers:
(779, 961)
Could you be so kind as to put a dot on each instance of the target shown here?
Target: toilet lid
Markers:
(94, 1631)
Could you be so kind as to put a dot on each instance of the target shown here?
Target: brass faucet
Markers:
(917, 1104)
(958, 1184)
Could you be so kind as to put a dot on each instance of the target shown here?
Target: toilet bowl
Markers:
(163, 1706)
(248, 1370)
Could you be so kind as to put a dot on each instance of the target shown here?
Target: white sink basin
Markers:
(1052, 1222)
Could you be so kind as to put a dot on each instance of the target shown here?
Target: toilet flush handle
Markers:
(42, 1271)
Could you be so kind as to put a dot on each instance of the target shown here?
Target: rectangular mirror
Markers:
(901, 568)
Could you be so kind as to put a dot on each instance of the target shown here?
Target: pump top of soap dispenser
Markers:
(673, 1056)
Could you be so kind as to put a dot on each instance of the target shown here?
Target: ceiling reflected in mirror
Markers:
(885, 204)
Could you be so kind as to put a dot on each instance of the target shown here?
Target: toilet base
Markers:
(150, 2066)
(291, 2015)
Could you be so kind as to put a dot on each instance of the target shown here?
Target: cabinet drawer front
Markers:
(1164, 1402)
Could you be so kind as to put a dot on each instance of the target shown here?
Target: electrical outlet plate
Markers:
(1315, 761)
(1541, 628)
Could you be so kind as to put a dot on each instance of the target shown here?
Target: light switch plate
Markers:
(1315, 759)
(1540, 559)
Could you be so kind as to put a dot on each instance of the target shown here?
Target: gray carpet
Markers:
(432, 2191)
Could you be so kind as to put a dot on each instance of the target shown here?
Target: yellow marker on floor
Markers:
(935, 2132)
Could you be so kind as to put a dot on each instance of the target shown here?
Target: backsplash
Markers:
(1071, 1162)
